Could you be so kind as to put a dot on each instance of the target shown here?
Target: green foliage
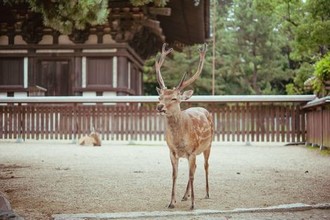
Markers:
(149, 77)
(306, 25)
(321, 75)
(313, 33)
(175, 65)
(159, 3)
(65, 16)
(300, 76)
(260, 47)
(68, 15)
(322, 68)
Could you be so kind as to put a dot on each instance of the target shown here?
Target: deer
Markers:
(188, 132)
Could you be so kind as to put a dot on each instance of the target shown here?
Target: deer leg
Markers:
(206, 167)
(187, 193)
(175, 164)
(192, 169)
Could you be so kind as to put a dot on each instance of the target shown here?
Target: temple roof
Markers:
(188, 23)
(179, 23)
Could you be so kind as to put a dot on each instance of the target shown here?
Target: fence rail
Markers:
(318, 121)
(236, 118)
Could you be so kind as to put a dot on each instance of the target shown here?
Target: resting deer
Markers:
(188, 132)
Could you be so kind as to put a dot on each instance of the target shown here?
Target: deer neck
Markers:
(174, 122)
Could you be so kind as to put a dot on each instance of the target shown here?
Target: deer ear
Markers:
(158, 90)
(186, 94)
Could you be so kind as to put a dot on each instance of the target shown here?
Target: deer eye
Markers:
(174, 99)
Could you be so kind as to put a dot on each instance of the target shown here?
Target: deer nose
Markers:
(160, 107)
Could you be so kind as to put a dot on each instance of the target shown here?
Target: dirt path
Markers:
(43, 178)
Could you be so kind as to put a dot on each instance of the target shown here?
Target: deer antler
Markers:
(186, 83)
(159, 62)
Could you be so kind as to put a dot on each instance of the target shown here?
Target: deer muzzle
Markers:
(161, 108)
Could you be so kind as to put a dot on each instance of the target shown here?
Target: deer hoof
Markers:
(171, 206)
(185, 198)
(192, 207)
(207, 197)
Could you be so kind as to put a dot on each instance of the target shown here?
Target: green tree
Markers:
(321, 76)
(312, 35)
(306, 27)
(250, 51)
(174, 67)
(229, 77)
(300, 75)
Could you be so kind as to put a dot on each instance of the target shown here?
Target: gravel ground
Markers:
(45, 178)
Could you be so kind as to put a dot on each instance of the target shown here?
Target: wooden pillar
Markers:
(122, 80)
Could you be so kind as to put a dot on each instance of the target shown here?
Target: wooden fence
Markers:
(236, 118)
(318, 121)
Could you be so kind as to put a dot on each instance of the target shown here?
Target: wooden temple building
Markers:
(103, 60)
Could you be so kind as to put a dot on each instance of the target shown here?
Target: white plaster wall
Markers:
(46, 39)
(64, 39)
(20, 94)
(89, 94)
(19, 40)
(107, 39)
(107, 94)
(92, 39)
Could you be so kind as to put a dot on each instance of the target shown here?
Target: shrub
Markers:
(321, 76)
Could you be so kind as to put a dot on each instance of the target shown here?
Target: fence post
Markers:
(20, 118)
(75, 124)
(322, 127)
(249, 118)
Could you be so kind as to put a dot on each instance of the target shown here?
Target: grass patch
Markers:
(325, 151)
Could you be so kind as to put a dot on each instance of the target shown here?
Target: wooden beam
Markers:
(160, 11)
(197, 99)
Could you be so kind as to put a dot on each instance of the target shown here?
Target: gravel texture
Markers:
(44, 178)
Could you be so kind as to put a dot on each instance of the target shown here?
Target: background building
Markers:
(101, 60)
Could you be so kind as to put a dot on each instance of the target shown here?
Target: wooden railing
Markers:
(318, 121)
(236, 118)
